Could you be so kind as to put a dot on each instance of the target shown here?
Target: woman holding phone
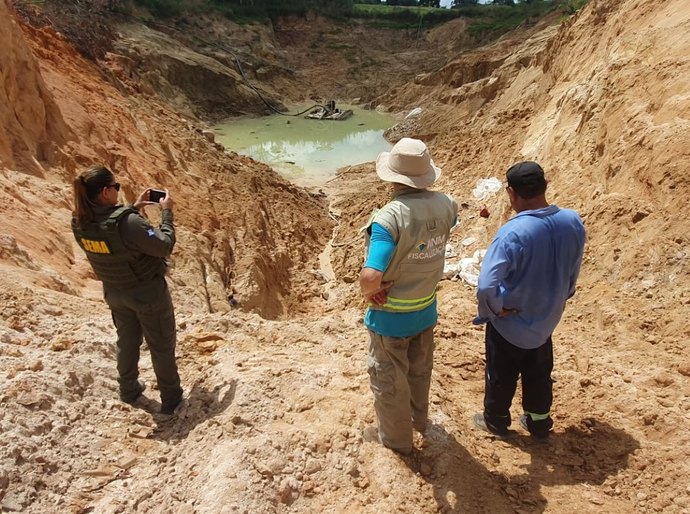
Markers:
(129, 256)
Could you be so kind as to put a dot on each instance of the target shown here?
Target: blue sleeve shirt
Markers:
(393, 324)
(381, 248)
(531, 266)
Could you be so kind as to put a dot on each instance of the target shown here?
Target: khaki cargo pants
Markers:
(400, 376)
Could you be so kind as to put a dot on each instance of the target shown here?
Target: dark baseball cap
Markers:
(527, 179)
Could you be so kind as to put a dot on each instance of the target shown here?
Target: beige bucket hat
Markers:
(409, 163)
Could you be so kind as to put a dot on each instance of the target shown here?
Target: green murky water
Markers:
(308, 152)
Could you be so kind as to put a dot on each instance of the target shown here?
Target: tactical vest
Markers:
(114, 264)
(421, 222)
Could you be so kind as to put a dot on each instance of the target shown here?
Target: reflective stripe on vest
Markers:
(419, 221)
(415, 304)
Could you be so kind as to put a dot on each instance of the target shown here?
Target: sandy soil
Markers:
(277, 387)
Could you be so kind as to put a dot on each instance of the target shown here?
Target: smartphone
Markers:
(156, 195)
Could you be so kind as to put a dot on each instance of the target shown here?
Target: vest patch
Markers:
(433, 247)
(95, 246)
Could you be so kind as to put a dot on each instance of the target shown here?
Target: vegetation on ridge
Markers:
(93, 34)
(486, 21)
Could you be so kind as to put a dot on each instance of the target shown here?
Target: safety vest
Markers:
(420, 222)
(114, 264)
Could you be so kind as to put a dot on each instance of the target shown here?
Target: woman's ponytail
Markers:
(86, 187)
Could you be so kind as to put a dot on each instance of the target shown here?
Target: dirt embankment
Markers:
(228, 246)
(210, 68)
(276, 406)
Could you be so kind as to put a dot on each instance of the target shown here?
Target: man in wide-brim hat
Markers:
(405, 241)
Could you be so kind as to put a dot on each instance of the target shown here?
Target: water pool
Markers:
(308, 152)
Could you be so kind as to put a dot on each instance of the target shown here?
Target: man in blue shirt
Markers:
(404, 262)
(527, 275)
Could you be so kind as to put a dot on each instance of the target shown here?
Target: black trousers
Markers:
(505, 362)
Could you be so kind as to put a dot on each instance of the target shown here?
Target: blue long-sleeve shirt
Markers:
(531, 266)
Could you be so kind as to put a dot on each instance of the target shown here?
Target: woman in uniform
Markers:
(129, 256)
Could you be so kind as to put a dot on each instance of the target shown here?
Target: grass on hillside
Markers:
(402, 17)
(372, 10)
(486, 22)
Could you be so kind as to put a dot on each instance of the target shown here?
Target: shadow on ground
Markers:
(585, 454)
(461, 483)
(588, 453)
(201, 404)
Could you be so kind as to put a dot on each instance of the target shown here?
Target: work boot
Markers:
(480, 423)
(538, 429)
(131, 397)
(371, 435)
(168, 407)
